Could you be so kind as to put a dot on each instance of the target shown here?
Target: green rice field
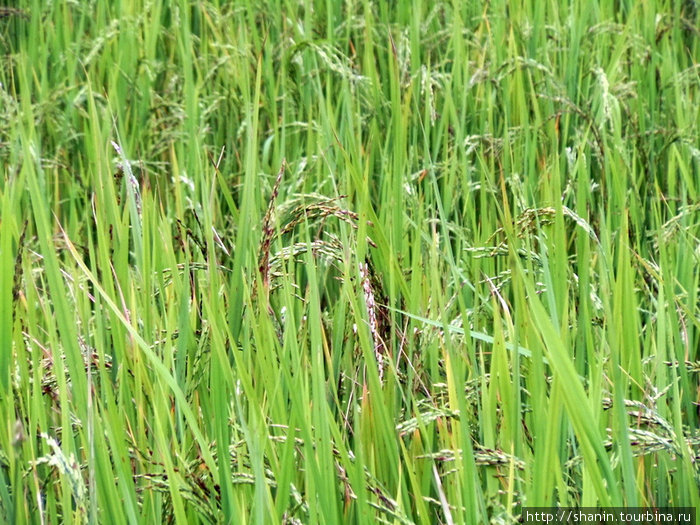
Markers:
(347, 262)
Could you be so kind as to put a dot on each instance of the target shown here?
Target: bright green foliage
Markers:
(347, 262)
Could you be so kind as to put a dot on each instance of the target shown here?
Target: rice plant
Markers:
(347, 262)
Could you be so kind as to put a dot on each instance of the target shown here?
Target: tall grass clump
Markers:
(347, 262)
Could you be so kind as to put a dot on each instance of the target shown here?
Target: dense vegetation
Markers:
(323, 262)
